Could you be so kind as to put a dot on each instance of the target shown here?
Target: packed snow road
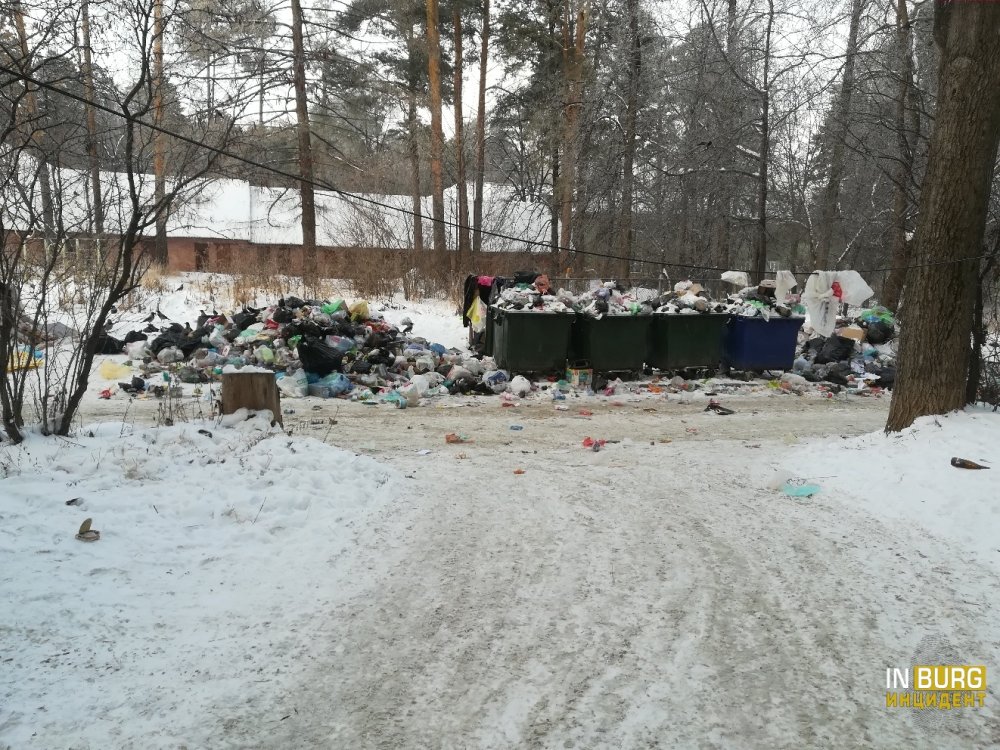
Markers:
(657, 593)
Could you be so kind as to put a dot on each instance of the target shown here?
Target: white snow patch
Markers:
(907, 476)
(214, 550)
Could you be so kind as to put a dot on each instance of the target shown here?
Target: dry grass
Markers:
(154, 279)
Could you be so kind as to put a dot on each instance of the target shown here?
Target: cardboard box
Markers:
(852, 332)
(578, 377)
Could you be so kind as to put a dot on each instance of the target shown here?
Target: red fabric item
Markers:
(837, 291)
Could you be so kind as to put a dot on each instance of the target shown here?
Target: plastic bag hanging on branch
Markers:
(825, 290)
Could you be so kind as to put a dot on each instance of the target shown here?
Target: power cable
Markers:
(17, 75)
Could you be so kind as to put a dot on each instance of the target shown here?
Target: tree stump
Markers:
(251, 390)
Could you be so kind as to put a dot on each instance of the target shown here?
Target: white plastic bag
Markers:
(295, 385)
(784, 282)
(854, 289)
(137, 349)
(520, 386)
(736, 278)
(821, 305)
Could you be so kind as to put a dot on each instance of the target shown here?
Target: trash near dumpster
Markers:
(528, 341)
(681, 340)
(761, 343)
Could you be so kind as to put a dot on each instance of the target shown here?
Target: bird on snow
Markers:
(180, 288)
(405, 325)
(202, 318)
(160, 315)
(150, 318)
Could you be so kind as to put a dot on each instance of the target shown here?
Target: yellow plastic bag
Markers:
(24, 359)
(477, 314)
(358, 311)
(113, 371)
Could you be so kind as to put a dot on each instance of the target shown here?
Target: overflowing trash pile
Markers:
(859, 354)
(319, 348)
(606, 298)
(687, 298)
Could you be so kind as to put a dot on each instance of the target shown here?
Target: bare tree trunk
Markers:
(934, 345)
(34, 134)
(477, 204)
(309, 270)
(160, 253)
(625, 229)
(414, 155)
(573, 45)
(736, 114)
(896, 279)
(984, 276)
(555, 205)
(464, 245)
(93, 161)
(437, 136)
(831, 192)
(760, 243)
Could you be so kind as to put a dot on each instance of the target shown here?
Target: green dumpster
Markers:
(613, 342)
(679, 341)
(530, 341)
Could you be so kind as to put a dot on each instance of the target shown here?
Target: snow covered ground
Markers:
(360, 582)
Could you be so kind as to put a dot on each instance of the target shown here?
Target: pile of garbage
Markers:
(860, 353)
(536, 296)
(315, 347)
(606, 298)
(687, 298)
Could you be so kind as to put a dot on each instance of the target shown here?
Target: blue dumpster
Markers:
(759, 344)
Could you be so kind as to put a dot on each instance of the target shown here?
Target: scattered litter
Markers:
(518, 471)
(718, 408)
(87, 534)
(517, 427)
(589, 442)
(424, 452)
(964, 463)
(453, 438)
(799, 490)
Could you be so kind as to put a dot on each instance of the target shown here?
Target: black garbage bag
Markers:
(838, 373)
(243, 320)
(132, 336)
(319, 358)
(305, 328)
(282, 315)
(814, 346)
(887, 379)
(293, 302)
(879, 332)
(380, 357)
(187, 344)
(835, 349)
(108, 344)
(361, 367)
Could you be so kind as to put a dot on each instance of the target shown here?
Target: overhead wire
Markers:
(21, 76)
